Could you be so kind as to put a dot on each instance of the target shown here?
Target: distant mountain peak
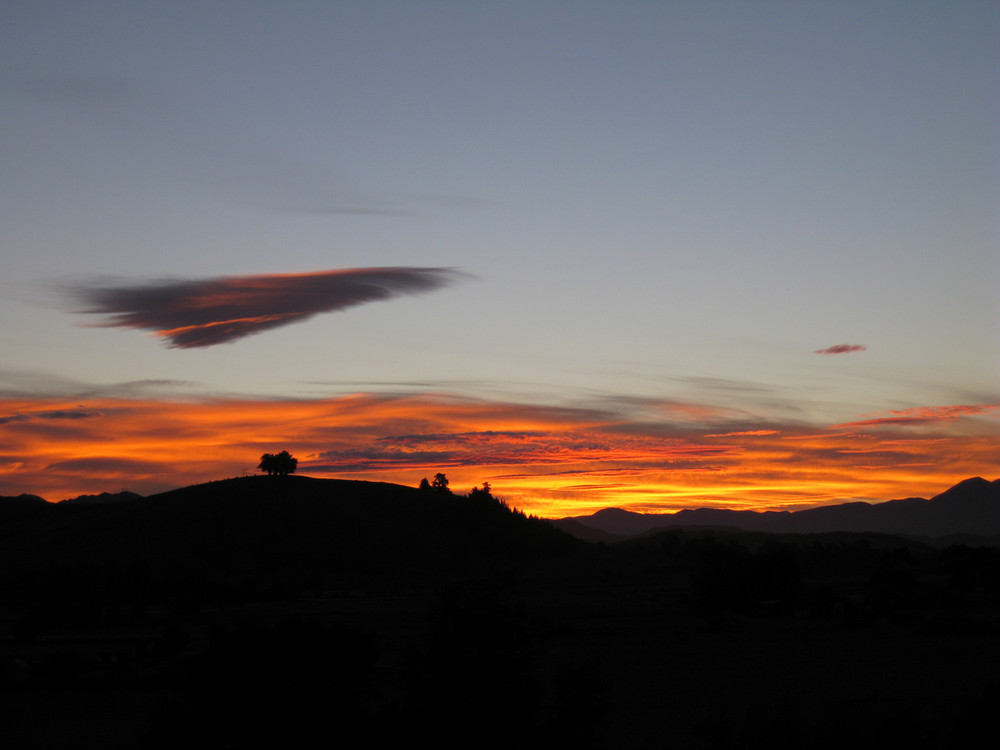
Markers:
(615, 513)
(971, 489)
(974, 482)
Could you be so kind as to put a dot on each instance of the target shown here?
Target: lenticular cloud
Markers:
(206, 312)
(842, 349)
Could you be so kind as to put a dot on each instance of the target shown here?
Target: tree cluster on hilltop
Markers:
(439, 485)
(278, 464)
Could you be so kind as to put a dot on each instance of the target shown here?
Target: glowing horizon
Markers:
(549, 461)
(639, 254)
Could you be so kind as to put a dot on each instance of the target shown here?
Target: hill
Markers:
(261, 536)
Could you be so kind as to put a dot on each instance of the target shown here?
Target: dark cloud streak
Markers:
(842, 349)
(55, 414)
(206, 312)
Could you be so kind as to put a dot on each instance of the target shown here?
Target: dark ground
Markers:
(507, 637)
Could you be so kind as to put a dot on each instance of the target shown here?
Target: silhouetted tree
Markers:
(267, 463)
(281, 464)
(481, 493)
(440, 483)
(425, 486)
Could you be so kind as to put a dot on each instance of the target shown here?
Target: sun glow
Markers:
(550, 461)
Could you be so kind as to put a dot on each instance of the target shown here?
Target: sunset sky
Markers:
(651, 255)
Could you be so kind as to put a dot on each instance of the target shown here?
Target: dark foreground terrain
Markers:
(313, 613)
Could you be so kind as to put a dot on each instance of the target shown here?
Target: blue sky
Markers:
(674, 201)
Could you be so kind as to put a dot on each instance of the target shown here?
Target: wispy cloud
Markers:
(842, 349)
(206, 312)
(78, 413)
(32, 384)
(924, 414)
(354, 211)
(744, 433)
(546, 447)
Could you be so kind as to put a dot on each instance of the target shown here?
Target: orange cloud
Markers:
(744, 433)
(924, 414)
(546, 460)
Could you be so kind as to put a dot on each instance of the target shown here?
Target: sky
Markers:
(633, 254)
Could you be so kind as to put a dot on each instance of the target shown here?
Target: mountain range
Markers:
(971, 507)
